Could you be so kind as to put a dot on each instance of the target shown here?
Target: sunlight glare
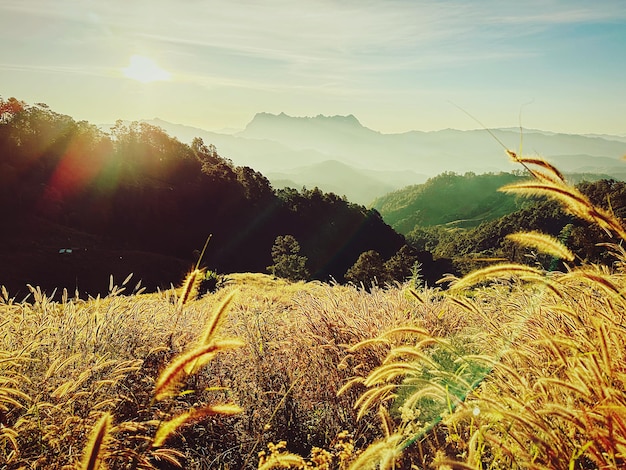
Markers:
(145, 70)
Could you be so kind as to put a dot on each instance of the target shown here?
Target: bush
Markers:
(211, 282)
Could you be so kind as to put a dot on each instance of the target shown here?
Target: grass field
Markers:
(510, 367)
(515, 375)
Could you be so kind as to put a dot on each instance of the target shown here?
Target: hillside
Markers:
(139, 201)
(488, 239)
(463, 217)
(448, 199)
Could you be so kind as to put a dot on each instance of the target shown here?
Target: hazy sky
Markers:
(395, 64)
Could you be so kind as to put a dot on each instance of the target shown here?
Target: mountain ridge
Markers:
(320, 119)
(273, 143)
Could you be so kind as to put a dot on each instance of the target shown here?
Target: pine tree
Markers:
(288, 263)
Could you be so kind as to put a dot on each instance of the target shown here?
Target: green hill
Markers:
(488, 240)
(464, 218)
(448, 199)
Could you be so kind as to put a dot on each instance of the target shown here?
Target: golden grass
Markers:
(572, 200)
(66, 362)
(551, 391)
(190, 288)
(511, 367)
(184, 419)
(171, 376)
(543, 243)
(554, 371)
(96, 446)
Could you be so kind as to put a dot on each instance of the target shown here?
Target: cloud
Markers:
(394, 52)
(327, 37)
(60, 69)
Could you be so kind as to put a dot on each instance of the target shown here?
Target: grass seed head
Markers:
(543, 243)
(96, 446)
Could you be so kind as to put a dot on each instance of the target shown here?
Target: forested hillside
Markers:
(466, 218)
(457, 200)
(472, 247)
(82, 204)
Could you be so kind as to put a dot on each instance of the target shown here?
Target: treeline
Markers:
(137, 188)
(471, 248)
(465, 219)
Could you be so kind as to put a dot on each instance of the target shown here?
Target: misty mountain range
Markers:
(338, 154)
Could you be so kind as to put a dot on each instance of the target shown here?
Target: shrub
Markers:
(211, 281)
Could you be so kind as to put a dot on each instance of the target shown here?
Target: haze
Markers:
(396, 65)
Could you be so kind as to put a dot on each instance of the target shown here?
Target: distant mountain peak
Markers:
(267, 118)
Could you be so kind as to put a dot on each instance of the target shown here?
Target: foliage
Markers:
(287, 260)
(369, 269)
(489, 239)
(211, 281)
(135, 192)
(401, 266)
(452, 199)
(406, 263)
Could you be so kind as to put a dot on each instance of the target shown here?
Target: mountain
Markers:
(575, 163)
(288, 162)
(335, 135)
(426, 152)
(284, 147)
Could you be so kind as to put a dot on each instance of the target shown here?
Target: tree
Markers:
(255, 185)
(287, 260)
(9, 108)
(368, 269)
(213, 164)
(401, 265)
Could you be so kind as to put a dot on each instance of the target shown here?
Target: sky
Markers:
(397, 65)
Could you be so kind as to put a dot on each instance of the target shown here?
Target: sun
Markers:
(145, 70)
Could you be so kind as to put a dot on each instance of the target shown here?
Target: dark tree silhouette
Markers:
(369, 269)
(136, 190)
(288, 263)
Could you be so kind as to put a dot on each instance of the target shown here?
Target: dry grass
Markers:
(514, 375)
(66, 364)
(512, 367)
(545, 386)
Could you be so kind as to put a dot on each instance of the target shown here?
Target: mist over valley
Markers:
(338, 154)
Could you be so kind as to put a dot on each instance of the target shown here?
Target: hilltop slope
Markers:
(459, 200)
(138, 199)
